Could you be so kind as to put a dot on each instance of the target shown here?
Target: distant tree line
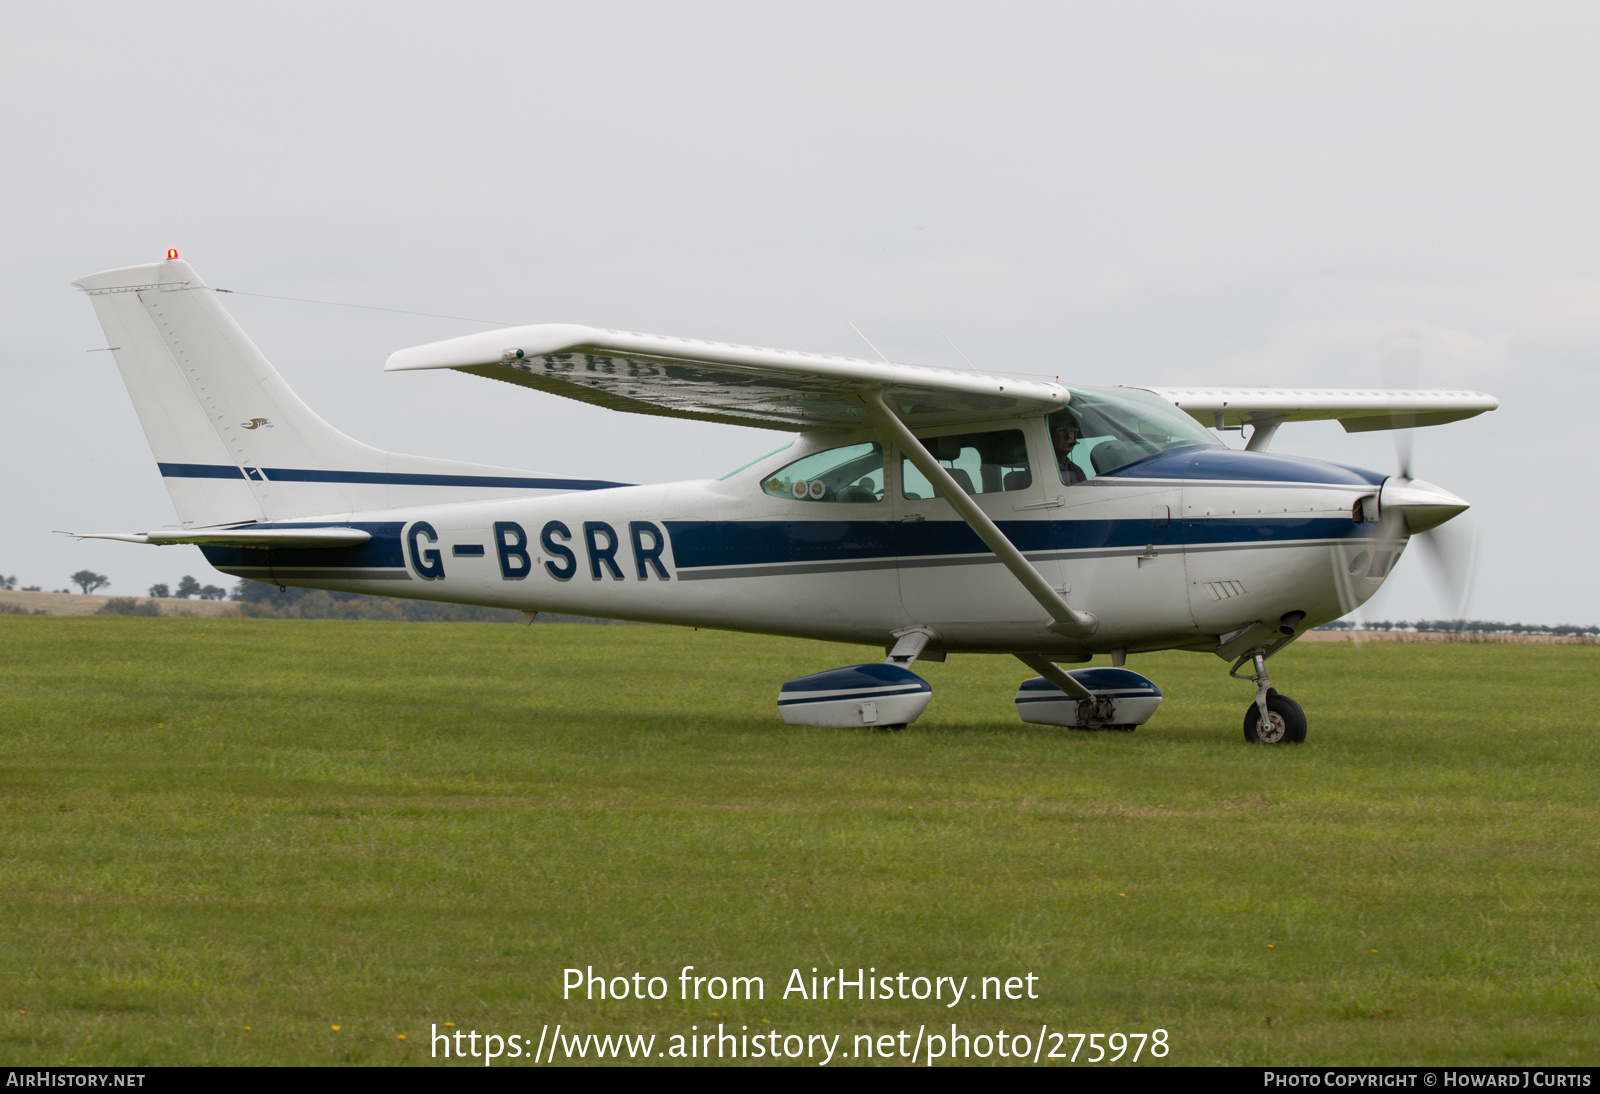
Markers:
(127, 605)
(188, 587)
(1460, 626)
(263, 600)
(89, 582)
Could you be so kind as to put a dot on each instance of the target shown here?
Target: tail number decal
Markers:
(648, 556)
(600, 540)
(601, 544)
(601, 556)
(427, 562)
(511, 544)
(563, 570)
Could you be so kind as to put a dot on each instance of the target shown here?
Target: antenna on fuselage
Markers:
(964, 357)
(868, 341)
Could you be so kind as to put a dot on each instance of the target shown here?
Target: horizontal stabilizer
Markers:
(241, 537)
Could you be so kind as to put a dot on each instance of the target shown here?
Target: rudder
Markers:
(233, 442)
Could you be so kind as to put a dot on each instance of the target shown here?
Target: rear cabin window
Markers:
(850, 474)
(981, 463)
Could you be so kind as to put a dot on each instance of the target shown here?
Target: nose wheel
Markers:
(1272, 719)
(1285, 722)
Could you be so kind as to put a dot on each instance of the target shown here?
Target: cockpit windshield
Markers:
(1105, 428)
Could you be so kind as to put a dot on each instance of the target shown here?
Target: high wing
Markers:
(717, 382)
(1358, 410)
(795, 391)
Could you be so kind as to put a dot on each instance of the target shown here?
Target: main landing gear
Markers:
(1272, 719)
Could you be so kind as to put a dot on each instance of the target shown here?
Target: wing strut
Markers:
(1068, 621)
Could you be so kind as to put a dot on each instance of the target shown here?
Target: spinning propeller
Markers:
(1411, 508)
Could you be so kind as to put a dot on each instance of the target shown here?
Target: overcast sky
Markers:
(1115, 193)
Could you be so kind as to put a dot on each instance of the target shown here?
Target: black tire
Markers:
(1289, 721)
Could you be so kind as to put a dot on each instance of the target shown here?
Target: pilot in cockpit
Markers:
(1063, 438)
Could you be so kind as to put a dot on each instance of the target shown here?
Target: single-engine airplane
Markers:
(919, 510)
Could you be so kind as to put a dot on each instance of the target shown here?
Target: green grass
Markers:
(208, 825)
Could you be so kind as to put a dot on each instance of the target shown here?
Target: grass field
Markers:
(224, 838)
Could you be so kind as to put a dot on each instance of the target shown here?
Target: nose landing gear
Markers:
(1272, 719)
(1285, 724)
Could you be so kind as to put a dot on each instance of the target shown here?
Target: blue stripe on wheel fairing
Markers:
(381, 478)
(787, 700)
(1112, 681)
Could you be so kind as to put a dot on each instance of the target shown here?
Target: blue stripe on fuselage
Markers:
(697, 544)
(753, 543)
(380, 478)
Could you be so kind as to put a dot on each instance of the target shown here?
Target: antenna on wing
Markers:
(964, 357)
(868, 341)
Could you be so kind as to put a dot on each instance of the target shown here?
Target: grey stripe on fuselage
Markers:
(289, 573)
(1230, 484)
(790, 569)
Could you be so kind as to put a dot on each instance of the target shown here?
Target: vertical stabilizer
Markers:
(233, 442)
(149, 313)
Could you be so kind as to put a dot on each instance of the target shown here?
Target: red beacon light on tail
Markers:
(172, 252)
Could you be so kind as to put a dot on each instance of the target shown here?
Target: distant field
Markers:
(76, 604)
(223, 838)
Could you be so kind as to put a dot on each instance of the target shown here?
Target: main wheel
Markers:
(1286, 722)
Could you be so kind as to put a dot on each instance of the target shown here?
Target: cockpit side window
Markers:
(981, 463)
(1105, 428)
(853, 473)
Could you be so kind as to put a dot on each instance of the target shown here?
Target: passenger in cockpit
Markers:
(1063, 438)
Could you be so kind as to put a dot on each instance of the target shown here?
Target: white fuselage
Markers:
(1167, 552)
